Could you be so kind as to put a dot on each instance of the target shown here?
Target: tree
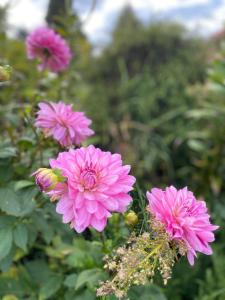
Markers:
(3, 19)
(58, 9)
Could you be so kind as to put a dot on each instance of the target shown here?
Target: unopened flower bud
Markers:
(46, 179)
(131, 218)
(5, 73)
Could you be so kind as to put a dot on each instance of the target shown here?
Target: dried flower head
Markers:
(139, 259)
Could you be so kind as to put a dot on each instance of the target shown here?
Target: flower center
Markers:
(46, 52)
(88, 178)
(182, 211)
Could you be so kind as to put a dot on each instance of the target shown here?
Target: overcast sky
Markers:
(202, 16)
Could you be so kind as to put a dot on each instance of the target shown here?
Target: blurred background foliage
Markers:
(156, 94)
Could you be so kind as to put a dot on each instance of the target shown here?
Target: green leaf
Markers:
(9, 285)
(23, 184)
(6, 171)
(26, 199)
(83, 295)
(6, 262)
(18, 204)
(25, 143)
(89, 278)
(9, 202)
(10, 297)
(50, 287)
(70, 280)
(6, 242)
(196, 145)
(43, 226)
(21, 236)
(39, 271)
(7, 152)
(7, 221)
(150, 292)
(79, 259)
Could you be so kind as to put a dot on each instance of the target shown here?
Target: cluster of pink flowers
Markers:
(94, 183)
(97, 184)
(62, 123)
(50, 48)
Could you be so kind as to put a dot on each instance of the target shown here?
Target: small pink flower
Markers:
(61, 122)
(185, 218)
(50, 48)
(98, 184)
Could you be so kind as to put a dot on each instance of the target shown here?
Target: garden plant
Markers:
(111, 166)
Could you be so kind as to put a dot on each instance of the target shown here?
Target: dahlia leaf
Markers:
(70, 280)
(21, 184)
(6, 262)
(51, 286)
(20, 234)
(149, 292)
(9, 202)
(89, 277)
(7, 152)
(26, 200)
(6, 242)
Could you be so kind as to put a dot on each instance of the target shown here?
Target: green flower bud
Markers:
(131, 218)
(47, 179)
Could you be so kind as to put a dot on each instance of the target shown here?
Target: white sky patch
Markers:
(25, 14)
(164, 5)
(209, 25)
(98, 26)
(29, 14)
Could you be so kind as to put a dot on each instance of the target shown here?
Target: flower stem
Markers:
(103, 239)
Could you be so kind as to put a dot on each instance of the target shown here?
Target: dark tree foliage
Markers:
(141, 81)
(57, 9)
(3, 16)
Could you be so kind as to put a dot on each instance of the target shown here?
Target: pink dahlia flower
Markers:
(61, 122)
(185, 218)
(98, 184)
(50, 48)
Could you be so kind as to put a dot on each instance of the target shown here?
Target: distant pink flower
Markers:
(50, 48)
(61, 122)
(185, 218)
(98, 184)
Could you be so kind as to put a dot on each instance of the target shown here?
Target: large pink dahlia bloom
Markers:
(61, 122)
(185, 218)
(98, 184)
(50, 48)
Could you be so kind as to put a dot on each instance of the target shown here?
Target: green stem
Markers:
(103, 239)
